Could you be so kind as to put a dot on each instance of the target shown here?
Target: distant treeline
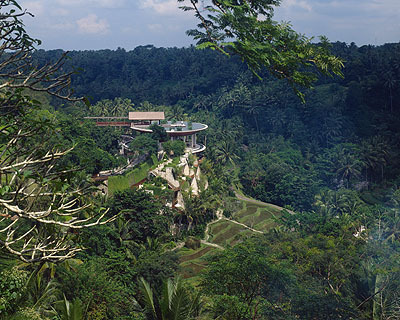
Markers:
(346, 134)
(167, 75)
(159, 75)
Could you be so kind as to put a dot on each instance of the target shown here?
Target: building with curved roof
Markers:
(179, 130)
(176, 130)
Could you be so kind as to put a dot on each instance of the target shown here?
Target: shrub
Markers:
(192, 243)
(26, 314)
(177, 147)
(143, 144)
(12, 285)
(159, 133)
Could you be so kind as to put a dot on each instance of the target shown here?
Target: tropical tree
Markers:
(41, 203)
(42, 293)
(375, 154)
(369, 158)
(349, 167)
(177, 112)
(173, 302)
(140, 215)
(390, 83)
(111, 108)
(159, 134)
(246, 28)
(225, 152)
(102, 108)
(144, 144)
(147, 106)
(254, 110)
(381, 266)
(71, 310)
(12, 289)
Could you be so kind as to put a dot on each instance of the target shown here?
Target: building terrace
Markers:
(141, 121)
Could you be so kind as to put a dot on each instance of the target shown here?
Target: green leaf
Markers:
(27, 173)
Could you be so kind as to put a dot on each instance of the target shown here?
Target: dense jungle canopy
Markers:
(297, 214)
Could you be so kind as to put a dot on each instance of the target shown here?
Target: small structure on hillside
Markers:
(141, 118)
(141, 121)
(194, 187)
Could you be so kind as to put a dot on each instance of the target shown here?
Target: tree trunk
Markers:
(255, 119)
(377, 302)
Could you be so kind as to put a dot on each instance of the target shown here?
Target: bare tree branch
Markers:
(42, 205)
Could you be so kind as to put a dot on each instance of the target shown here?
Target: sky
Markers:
(109, 24)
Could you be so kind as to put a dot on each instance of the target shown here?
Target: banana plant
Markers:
(174, 302)
(71, 310)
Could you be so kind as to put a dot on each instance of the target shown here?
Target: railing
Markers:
(112, 124)
(198, 148)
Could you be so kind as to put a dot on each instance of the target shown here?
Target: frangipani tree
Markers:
(42, 204)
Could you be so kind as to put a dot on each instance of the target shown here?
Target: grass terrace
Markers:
(136, 175)
(258, 216)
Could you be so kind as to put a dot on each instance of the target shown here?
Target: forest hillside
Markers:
(291, 212)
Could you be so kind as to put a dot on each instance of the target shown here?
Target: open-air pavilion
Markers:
(141, 121)
(178, 130)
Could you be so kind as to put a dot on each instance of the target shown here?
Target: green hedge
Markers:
(123, 182)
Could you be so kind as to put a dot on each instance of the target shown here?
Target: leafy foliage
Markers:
(144, 144)
(173, 302)
(246, 28)
(12, 286)
(175, 147)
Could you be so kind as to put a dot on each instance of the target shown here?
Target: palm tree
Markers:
(390, 83)
(349, 166)
(174, 302)
(254, 110)
(375, 154)
(121, 107)
(225, 152)
(369, 157)
(177, 112)
(146, 106)
(203, 103)
(381, 147)
(102, 108)
(43, 290)
(333, 127)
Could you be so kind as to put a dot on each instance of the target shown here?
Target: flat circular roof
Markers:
(178, 128)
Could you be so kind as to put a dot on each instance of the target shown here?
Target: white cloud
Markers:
(71, 3)
(361, 21)
(155, 27)
(34, 7)
(109, 3)
(297, 3)
(92, 3)
(162, 7)
(384, 6)
(65, 26)
(93, 25)
(161, 22)
(60, 12)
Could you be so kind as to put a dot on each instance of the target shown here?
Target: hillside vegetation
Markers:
(227, 232)
(332, 162)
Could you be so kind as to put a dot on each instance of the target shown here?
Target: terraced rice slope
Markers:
(258, 216)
